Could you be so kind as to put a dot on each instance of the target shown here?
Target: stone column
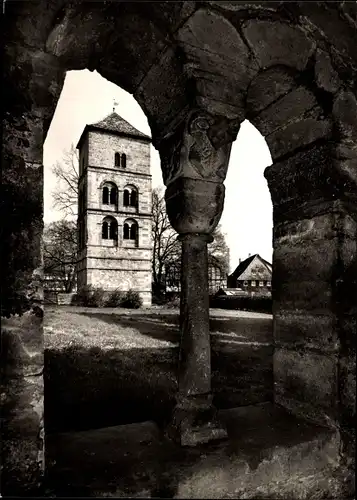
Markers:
(194, 165)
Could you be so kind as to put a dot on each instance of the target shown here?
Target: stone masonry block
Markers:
(306, 384)
(325, 75)
(22, 435)
(313, 296)
(305, 175)
(347, 388)
(300, 329)
(306, 231)
(163, 88)
(345, 113)
(287, 109)
(306, 260)
(347, 325)
(214, 58)
(267, 87)
(276, 43)
(297, 135)
(22, 345)
(113, 279)
(22, 404)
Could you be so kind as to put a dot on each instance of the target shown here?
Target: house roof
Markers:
(243, 266)
(115, 124)
(231, 292)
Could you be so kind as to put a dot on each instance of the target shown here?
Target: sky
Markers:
(247, 218)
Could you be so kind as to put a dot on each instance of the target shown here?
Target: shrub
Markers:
(90, 296)
(173, 302)
(83, 295)
(115, 299)
(247, 303)
(98, 298)
(132, 300)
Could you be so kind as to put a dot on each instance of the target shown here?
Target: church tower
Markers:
(114, 208)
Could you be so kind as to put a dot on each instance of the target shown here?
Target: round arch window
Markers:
(130, 197)
(109, 194)
(109, 229)
(131, 231)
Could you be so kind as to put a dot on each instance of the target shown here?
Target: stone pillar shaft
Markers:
(194, 420)
(195, 348)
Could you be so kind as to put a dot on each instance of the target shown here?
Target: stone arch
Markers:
(292, 98)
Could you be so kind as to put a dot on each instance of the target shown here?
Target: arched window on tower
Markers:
(113, 195)
(120, 160)
(126, 231)
(126, 200)
(113, 230)
(105, 195)
(131, 232)
(130, 197)
(109, 229)
(109, 194)
(134, 198)
(105, 230)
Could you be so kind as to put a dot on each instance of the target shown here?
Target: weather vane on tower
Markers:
(114, 105)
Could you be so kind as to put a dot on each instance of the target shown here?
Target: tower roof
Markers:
(115, 124)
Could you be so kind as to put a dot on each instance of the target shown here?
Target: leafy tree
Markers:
(60, 253)
(218, 250)
(66, 171)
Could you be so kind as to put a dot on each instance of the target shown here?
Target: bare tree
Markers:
(167, 249)
(60, 253)
(65, 197)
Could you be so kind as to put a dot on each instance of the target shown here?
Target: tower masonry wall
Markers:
(121, 179)
(116, 264)
(103, 145)
(94, 232)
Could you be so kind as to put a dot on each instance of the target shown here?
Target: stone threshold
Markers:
(268, 454)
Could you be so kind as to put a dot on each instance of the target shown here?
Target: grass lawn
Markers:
(110, 366)
(139, 328)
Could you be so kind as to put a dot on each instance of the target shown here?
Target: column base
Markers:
(195, 421)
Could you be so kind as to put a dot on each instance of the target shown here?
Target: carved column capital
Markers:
(194, 164)
(199, 147)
